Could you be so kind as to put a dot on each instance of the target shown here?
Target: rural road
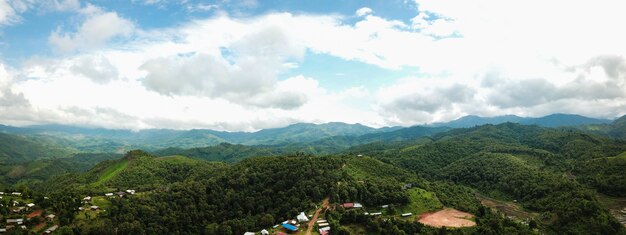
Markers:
(314, 219)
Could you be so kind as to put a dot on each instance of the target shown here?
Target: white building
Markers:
(302, 217)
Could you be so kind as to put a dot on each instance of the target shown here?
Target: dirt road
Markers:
(314, 219)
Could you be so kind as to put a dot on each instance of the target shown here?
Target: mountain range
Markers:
(339, 134)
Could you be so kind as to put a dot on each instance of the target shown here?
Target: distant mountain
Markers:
(615, 129)
(16, 148)
(472, 120)
(107, 140)
(553, 120)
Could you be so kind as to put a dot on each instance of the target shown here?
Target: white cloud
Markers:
(364, 11)
(484, 58)
(98, 28)
(10, 10)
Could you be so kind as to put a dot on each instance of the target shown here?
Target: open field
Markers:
(447, 218)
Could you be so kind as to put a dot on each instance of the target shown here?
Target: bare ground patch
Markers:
(447, 217)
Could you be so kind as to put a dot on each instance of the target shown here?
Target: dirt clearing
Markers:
(447, 217)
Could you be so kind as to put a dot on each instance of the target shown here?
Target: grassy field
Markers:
(111, 171)
(420, 201)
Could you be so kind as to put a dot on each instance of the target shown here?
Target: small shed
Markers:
(30, 205)
(50, 217)
(407, 214)
(265, 232)
(94, 208)
(109, 194)
(376, 213)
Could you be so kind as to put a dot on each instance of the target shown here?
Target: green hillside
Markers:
(524, 163)
(137, 170)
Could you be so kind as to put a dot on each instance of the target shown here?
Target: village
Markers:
(19, 211)
(313, 224)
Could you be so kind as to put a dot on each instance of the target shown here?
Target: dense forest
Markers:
(552, 177)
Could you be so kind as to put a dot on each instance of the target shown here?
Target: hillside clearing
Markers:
(111, 171)
(447, 218)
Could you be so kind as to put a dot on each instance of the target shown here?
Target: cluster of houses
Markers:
(27, 211)
(121, 193)
(323, 227)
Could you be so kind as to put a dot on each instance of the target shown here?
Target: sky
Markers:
(251, 64)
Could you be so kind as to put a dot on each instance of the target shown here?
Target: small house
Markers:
(275, 226)
(130, 191)
(248, 233)
(265, 232)
(324, 230)
(109, 194)
(18, 209)
(16, 194)
(51, 229)
(358, 205)
(384, 206)
(360, 155)
(407, 186)
(50, 217)
(120, 194)
(319, 221)
(15, 221)
(407, 214)
(323, 225)
(30, 205)
(3, 230)
(376, 213)
(1, 193)
(87, 199)
(347, 205)
(94, 208)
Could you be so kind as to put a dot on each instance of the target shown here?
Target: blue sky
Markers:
(247, 65)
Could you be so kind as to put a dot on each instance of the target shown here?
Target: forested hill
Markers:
(138, 170)
(547, 170)
(257, 193)
(616, 129)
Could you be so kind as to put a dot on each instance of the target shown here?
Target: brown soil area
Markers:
(447, 218)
